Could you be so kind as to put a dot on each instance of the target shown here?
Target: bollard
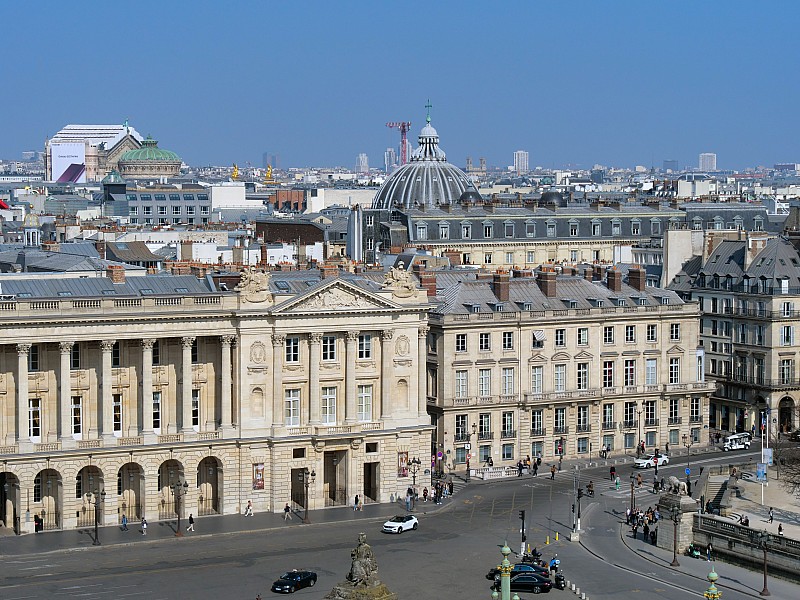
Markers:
(547, 541)
(556, 536)
(583, 596)
(572, 587)
(577, 591)
(567, 581)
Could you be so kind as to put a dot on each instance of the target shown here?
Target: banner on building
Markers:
(258, 476)
(68, 162)
(402, 464)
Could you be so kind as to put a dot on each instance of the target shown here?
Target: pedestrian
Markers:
(613, 471)
(552, 471)
(287, 512)
(450, 487)
(770, 514)
(663, 484)
(539, 459)
(248, 512)
(191, 523)
(144, 526)
(709, 550)
(124, 523)
(645, 532)
(425, 494)
(355, 503)
(780, 529)
(628, 516)
(616, 482)
(603, 451)
(638, 480)
(666, 448)
(635, 529)
(535, 468)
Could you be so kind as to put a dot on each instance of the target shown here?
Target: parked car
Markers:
(737, 441)
(528, 582)
(291, 581)
(650, 460)
(518, 568)
(400, 523)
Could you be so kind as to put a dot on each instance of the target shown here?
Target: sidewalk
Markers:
(786, 508)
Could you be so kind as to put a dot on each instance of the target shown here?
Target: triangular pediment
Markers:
(675, 350)
(583, 355)
(538, 358)
(336, 296)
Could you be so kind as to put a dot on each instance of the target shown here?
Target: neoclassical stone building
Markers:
(131, 386)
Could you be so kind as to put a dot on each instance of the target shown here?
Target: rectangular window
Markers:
(292, 349)
(530, 231)
(484, 453)
(508, 381)
(365, 346)
(650, 413)
(608, 335)
(559, 377)
(630, 372)
(484, 342)
(674, 370)
(551, 230)
(466, 231)
(786, 370)
(195, 409)
(652, 335)
(461, 342)
(485, 382)
(162, 210)
(608, 373)
(195, 353)
(117, 413)
(583, 445)
(510, 258)
(156, 353)
(508, 340)
(674, 410)
(674, 332)
(608, 416)
(583, 336)
(561, 337)
(487, 258)
(537, 373)
(630, 334)
(77, 415)
(787, 336)
(487, 231)
(629, 416)
(786, 309)
(115, 356)
(329, 347)
(292, 408)
(608, 441)
(559, 420)
(583, 376)
(461, 389)
(176, 210)
(530, 256)
(508, 451)
(537, 422)
(596, 229)
(651, 371)
(484, 426)
(75, 357)
(573, 229)
(328, 405)
(33, 358)
(157, 412)
(35, 419)
(583, 418)
(444, 231)
(190, 210)
(507, 424)
(365, 403)
(462, 434)
(694, 410)
(508, 230)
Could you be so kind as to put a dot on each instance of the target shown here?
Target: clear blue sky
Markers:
(617, 83)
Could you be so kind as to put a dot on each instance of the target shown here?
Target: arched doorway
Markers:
(9, 501)
(209, 484)
(88, 486)
(786, 415)
(130, 489)
(46, 506)
(169, 473)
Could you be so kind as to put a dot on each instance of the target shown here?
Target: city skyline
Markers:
(574, 94)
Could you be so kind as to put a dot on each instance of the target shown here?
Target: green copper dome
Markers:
(113, 177)
(150, 152)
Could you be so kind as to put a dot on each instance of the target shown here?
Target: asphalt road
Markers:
(448, 557)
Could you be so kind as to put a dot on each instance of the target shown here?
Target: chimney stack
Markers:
(116, 273)
(588, 273)
(547, 283)
(328, 271)
(614, 280)
(101, 249)
(637, 278)
(501, 286)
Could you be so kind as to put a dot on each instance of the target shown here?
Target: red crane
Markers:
(403, 126)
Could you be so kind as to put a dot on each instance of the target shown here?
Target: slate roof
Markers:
(130, 252)
(61, 287)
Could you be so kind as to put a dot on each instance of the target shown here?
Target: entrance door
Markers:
(335, 478)
(371, 480)
(297, 490)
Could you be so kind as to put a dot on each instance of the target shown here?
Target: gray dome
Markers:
(427, 178)
(552, 198)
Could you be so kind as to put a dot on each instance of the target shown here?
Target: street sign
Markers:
(467, 446)
(688, 471)
(439, 455)
(469, 455)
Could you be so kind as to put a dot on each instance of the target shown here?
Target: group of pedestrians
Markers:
(646, 520)
(532, 464)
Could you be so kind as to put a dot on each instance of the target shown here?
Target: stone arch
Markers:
(786, 414)
(170, 472)
(130, 491)
(47, 499)
(10, 501)
(88, 485)
(209, 486)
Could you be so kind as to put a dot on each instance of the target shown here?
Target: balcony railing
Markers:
(560, 429)
(651, 422)
(508, 434)
(583, 427)
(629, 424)
(538, 431)
(608, 425)
(787, 381)
(485, 435)
(675, 420)
(461, 437)
(695, 419)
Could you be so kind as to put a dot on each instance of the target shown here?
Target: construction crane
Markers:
(403, 126)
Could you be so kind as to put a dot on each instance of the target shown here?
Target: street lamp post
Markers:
(414, 465)
(763, 539)
(676, 518)
(179, 490)
(99, 498)
(307, 478)
(469, 438)
(633, 497)
(688, 441)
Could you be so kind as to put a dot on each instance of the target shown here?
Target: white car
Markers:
(400, 523)
(650, 460)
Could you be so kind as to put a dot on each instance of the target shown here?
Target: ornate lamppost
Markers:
(763, 539)
(469, 444)
(99, 498)
(179, 490)
(307, 478)
(712, 593)
(676, 518)
(688, 441)
(633, 496)
(414, 465)
(505, 577)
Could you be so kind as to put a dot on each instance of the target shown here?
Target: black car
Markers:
(294, 580)
(518, 568)
(528, 582)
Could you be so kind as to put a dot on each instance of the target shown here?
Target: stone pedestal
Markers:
(345, 591)
(688, 507)
(362, 582)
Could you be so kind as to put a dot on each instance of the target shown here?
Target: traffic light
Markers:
(522, 515)
(580, 494)
(573, 508)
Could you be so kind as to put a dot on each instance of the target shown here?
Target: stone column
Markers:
(313, 379)
(186, 384)
(422, 383)
(22, 391)
(225, 392)
(105, 399)
(65, 390)
(147, 386)
(351, 342)
(278, 341)
(386, 373)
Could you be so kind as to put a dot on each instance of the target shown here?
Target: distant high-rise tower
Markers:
(708, 161)
(362, 163)
(270, 160)
(520, 162)
(670, 164)
(389, 159)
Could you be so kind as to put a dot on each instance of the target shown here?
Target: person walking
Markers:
(287, 512)
(770, 515)
(780, 529)
(638, 480)
(355, 503)
(144, 526)
(613, 471)
(519, 468)
(124, 523)
(248, 512)
(709, 550)
(191, 523)
(535, 471)
(552, 472)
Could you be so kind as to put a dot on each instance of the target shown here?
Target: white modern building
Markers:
(520, 162)
(708, 161)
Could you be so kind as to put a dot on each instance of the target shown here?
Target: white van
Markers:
(736, 442)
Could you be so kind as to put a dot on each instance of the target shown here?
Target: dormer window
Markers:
(476, 308)
(642, 301)
(527, 306)
(498, 307)
(664, 300)
(621, 302)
